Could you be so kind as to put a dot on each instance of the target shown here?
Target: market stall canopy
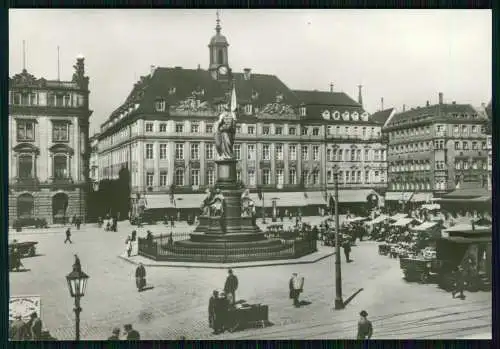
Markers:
(378, 219)
(355, 219)
(404, 222)
(398, 196)
(156, 201)
(189, 200)
(283, 199)
(354, 195)
(425, 226)
(314, 198)
(398, 216)
(422, 197)
(431, 207)
(468, 229)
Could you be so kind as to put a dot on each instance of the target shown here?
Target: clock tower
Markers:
(219, 65)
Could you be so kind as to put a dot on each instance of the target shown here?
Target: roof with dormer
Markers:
(380, 117)
(326, 98)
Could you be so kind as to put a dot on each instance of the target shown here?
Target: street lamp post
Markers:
(339, 302)
(77, 282)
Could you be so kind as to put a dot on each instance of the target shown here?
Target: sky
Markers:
(405, 56)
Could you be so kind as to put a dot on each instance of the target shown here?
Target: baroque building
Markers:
(164, 133)
(48, 149)
(432, 149)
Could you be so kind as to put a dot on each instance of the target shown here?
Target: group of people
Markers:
(221, 303)
(129, 334)
(26, 331)
(76, 221)
(110, 223)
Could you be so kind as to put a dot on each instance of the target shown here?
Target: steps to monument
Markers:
(224, 245)
(230, 237)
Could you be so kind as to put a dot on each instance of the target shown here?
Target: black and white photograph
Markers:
(247, 174)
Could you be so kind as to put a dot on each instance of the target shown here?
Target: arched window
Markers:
(60, 166)
(59, 207)
(25, 205)
(179, 177)
(220, 56)
(25, 166)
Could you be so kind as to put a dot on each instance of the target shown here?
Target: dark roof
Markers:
(326, 98)
(468, 193)
(489, 111)
(381, 116)
(444, 110)
(259, 89)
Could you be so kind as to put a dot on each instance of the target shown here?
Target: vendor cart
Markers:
(419, 269)
(25, 248)
(245, 316)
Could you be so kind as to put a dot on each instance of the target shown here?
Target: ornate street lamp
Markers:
(339, 302)
(77, 282)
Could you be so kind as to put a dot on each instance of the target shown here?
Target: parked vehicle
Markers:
(25, 248)
(29, 222)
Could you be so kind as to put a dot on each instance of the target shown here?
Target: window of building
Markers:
(280, 177)
(163, 127)
(347, 177)
(195, 177)
(195, 151)
(266, 152)
(457, 145)
(315, 177)
(179, 151)
(279, 151)
(465, 130)
(305, 177)
(209, 151)
(465, 145)
(238, 175)
(292, 151)
(474, 129)
(302, 111)
(179, 128)
(329, 154)
(209, 128)
(266, 176)
(316, 153)
(305, 152)
(353, 155)
(149, 151)
(334, 155)
(367, 176)
(238, 129)
(163, 179)
(303, 131)
(278, 130)
(292, 131)
(60, 132)
(25, 166)
(340, 177)
(251, 151)
(483, 145)
(210, 177)
(195, 128)
(251, 130)
(474, 146)
(160, 105)
(358, 177)
(149, 127)
(346, 155)
(292, 176)
(248, 109)
(163, 151)
(251, 177)
(456, 129)
(466, 165)
(376, 155)
(340, 155)
(179, 177)
(315, 131)
(237, 151)
(265, 130)
(149, 179)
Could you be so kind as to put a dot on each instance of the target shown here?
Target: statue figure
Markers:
(205, 206)
(217, 204)
(225, 134)
(247, 204)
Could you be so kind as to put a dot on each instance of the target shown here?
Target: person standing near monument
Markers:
(295, 286)
(231, 286)
(140, 277)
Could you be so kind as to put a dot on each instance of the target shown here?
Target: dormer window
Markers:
(315, 131)
(265, 130)
(304, 131)
(160, 105)
(302, 111)
(171, 91)
(248, 109)
(336, 115)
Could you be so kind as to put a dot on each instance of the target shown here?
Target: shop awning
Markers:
(355, 219)
(398, 196)
(403, 222)
(398, 216)
(155, 201)
(431, 207)
(467, 240)
(283, 199)
(353, 195)
(189, 200)
(422, 197)
(378, 219)
(425, 226)
(467, 228)
(315, 198)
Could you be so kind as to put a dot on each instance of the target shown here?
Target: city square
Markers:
(207, 201)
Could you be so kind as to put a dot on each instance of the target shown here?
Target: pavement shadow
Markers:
(348, 300)
(20, 270)
(302, 303)
(147, 288)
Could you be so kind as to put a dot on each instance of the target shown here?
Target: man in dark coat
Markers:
(140, 277)
(78, 222)
(116, 335)
(132, 335)
(347, 250)
(231, 286)
(77, 265)
(221, 312)
(459, 286)
(68, 236)
(211, 309)
(365, 327)
(294, 289)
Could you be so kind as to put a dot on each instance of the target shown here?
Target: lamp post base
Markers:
(339, 304)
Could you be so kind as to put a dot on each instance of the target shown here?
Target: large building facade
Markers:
(48, 149)
(285, 141)
(432, 149)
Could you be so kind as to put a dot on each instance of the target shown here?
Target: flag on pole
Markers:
(234, 103)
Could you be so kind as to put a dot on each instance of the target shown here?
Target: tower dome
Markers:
(218, 48)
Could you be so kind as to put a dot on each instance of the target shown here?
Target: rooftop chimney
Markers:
(153, 68)
(382, 103)
(404, 107)
(360, 96)
(454, 102)
(247, 73)
(427, 103)
(331, 86)
(440, 97)
(199, 67)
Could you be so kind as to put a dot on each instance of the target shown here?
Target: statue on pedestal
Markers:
(247, 204)
(205, 205)
(217, 204)
(226, 130)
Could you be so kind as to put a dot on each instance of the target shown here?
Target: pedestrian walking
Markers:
(115, 336)
(129, 246)
(78, 222)
(132, 335)
(365, 328)
(295, 286)
(68, 236)
(140, 277)
(231, 286)
(459, 283)
(35, 327)
(211, 308)
(347, 250)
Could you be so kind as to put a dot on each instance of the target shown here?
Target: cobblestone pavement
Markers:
(176, 304)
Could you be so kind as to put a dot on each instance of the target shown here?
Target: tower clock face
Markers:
(223, 70)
